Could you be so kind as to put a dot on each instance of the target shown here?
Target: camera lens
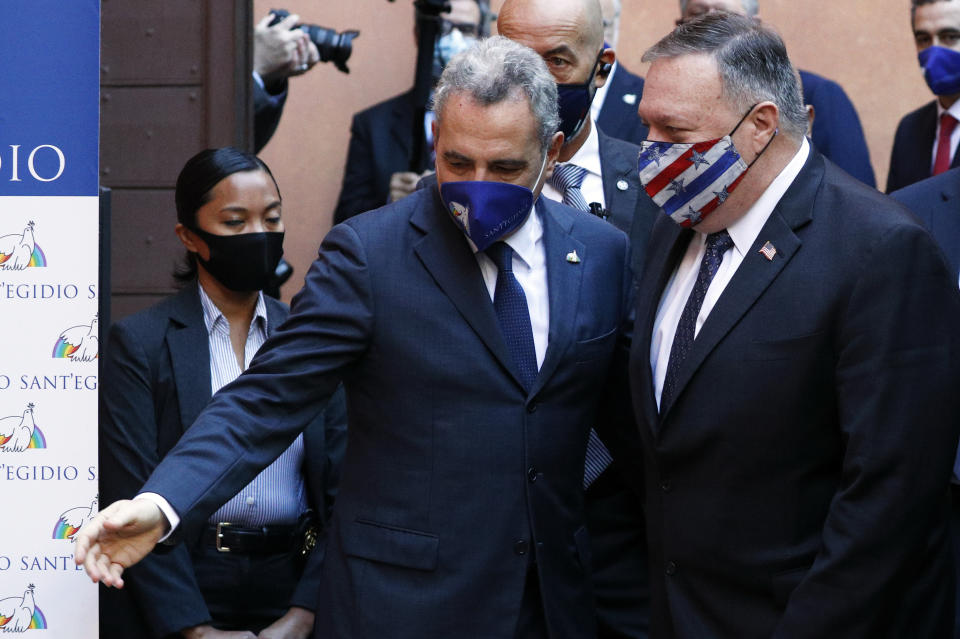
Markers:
(333, 47)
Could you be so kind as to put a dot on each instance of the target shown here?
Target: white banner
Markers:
(49, 221)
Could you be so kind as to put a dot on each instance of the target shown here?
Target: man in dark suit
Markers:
(380, 166)
(614, 107)
(936, 201)
(156, 380)
(472, 381)
(596, 170)
(794, 366)
(837, 132)
(927, 140)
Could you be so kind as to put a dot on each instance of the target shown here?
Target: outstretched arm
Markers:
(118, 537)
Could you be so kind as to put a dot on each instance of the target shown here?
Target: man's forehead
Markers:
(679, 87)
(463, 12)
(543, 24)
(702, 6)
(938, 15)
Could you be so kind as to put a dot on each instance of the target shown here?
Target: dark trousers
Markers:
(246, 592)
(955, 543)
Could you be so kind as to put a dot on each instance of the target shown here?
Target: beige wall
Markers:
(865, 45)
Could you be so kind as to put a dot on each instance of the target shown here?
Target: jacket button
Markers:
(532, 474)
(521, 547)
(671, 569)
(666, 486)
(532, 407)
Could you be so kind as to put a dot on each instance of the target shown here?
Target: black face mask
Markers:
(574, 102)
(243, 262)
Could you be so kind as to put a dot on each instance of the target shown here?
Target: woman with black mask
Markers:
(252, 573)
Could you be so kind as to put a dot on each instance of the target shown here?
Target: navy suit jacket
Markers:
(836, 127)
(936, 201)
(912, 156)
(267, 109)
(618, 115)
(156, 380)
(381, 143)
(454, 475)
(796, 483)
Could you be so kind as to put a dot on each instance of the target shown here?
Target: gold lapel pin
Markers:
(573, 258)
(769, 251)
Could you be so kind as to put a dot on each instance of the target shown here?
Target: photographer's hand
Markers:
(280, 51)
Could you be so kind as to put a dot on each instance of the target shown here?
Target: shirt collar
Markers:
(524, 240)
(213, 317)
(745, 231)
(588, 155)
(954, 110)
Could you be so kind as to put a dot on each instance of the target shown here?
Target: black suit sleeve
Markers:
(267, 109)
(163, 585)
(896, 375)
(359, 192)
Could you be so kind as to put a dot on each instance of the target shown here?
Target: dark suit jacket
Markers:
(618, 116)
(796, 484)
(267, 109)
(455, 474)
(936, 201)
(156, 380)
(836, 128)
(381, 143)
(912, 155)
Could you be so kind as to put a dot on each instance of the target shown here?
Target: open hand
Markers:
(117, 538)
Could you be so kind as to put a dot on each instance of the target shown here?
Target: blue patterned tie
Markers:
(567, 179)
(513, 316)
(716, 245)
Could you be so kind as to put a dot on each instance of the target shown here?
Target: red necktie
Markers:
(947, 124)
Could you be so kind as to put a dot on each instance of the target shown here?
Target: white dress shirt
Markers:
(530, 269)
(587, 157)
(744, 233)
(597, 105)
(954, 110)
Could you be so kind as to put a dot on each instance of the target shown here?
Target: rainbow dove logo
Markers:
(73, 520)
(19, 614)
(20, 250)
(20, 432)
(78, 343)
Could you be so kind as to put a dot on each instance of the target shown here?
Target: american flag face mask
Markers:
(688, 181)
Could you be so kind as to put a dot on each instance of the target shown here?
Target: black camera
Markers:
(333, 47)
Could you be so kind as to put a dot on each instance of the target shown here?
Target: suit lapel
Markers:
(189, 348)
(447, 257)
(621, 187)
(668, 244)
(756, 272)
(563, 284)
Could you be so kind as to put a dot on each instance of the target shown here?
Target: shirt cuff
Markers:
(172, 518)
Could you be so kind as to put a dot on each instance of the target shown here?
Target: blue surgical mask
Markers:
(689, 181)
(488, 211)
(941, 69)
(448, 46)
(574, 102)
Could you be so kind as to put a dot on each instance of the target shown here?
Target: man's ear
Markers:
(553, 152)
(766, 120)
(607, 57)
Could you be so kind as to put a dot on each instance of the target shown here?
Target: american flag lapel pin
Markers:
(769, 251)
(573, 258)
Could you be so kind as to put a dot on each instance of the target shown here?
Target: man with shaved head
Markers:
(836, 129)
(596, 173)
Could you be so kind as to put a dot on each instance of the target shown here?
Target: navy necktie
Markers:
(567, 179)
(716, 245)
(513, 316)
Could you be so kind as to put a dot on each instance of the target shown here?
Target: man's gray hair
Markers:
(498, 69)
(749, 7)
(752, 60)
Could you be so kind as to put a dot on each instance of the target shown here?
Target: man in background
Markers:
(836, 128)
(381, 166)
(614, 108)
(927, 139)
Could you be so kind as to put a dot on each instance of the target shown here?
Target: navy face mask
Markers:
(574, 101)
(941, 69)
(242, 262)
(488, 211)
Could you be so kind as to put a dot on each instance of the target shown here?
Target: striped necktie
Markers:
(567, 179)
